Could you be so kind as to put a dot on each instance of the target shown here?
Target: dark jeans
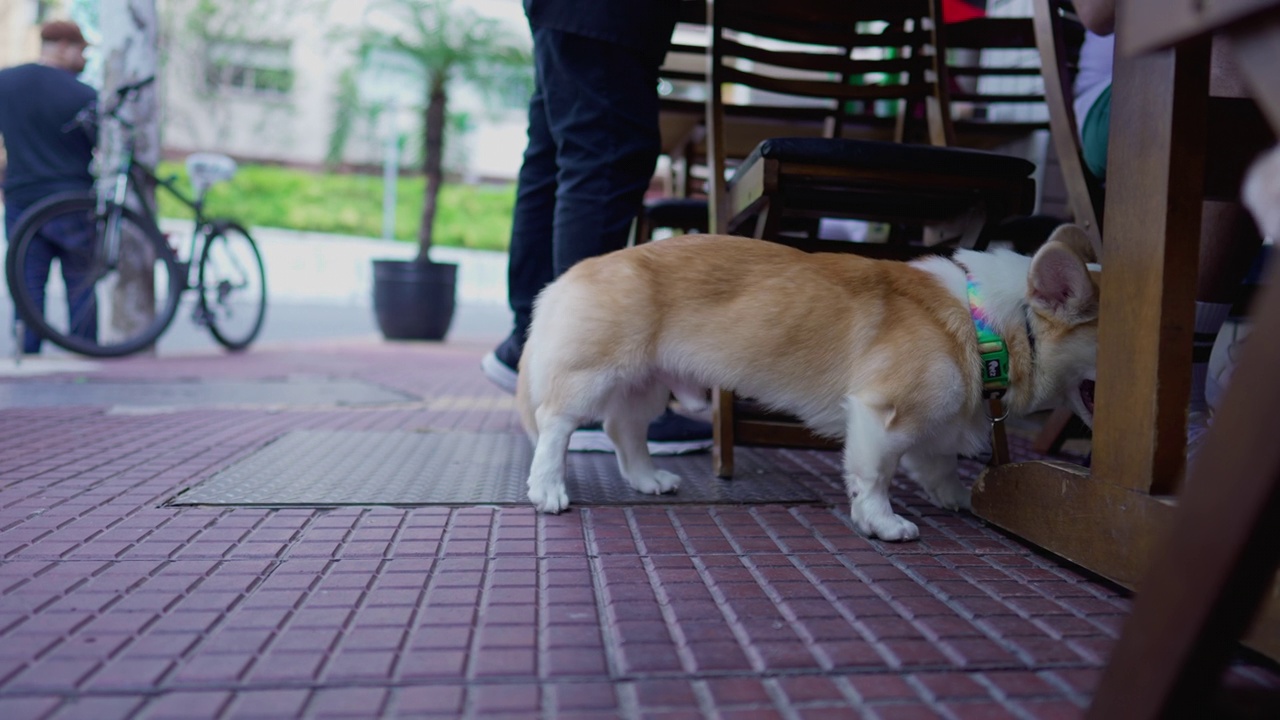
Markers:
(70, 239)
(593, 145)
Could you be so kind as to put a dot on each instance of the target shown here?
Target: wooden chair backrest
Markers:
(682, 114)
(1059, 35)
(842, 64)
(997, 91)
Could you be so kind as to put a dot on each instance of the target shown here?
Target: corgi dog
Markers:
(882, 354)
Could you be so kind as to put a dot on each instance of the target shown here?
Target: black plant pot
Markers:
(414, 300)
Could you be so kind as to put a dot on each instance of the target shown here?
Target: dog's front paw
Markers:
(549, 499)
(660, 482)
(886, 526)
(950, 495)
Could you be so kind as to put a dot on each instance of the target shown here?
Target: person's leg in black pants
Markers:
(530, 262)
(593, 145)
(35, 274)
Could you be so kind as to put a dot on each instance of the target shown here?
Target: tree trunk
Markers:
(432, 161)
(129, 47)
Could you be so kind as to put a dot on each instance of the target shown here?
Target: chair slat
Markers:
(824, 89)
(996, 71)
(821, 61)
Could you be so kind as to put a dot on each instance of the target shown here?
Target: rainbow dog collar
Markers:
(991, 347)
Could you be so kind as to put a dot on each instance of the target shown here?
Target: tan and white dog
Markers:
(883, 354)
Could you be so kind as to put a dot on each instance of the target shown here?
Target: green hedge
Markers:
(470, 216)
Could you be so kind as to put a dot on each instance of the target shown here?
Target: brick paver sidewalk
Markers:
(114, 606)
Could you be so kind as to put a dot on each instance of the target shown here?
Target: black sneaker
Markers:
(500, 365)
(670, 434)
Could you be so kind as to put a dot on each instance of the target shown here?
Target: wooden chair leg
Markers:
(722, 432)
(642, 229)
(769, 222)
(1209, 576)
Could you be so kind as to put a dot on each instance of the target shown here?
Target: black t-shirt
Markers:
(37, 103)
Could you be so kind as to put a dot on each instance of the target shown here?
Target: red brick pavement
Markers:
(112, 605)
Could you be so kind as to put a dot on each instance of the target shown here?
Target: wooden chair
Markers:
(866, 66)
(1059, 35)
(996, 91)
(682, 119)
(682, 90)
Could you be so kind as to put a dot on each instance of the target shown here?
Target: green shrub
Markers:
(471, 216)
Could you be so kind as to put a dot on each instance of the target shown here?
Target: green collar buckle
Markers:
(995, 363)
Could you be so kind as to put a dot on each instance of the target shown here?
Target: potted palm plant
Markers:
(414, 299)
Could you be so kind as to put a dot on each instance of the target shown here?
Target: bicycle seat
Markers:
(209, 169)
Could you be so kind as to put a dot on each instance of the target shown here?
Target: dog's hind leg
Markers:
(547, 490)
(627, 425)
(871, 454)
(936, 474)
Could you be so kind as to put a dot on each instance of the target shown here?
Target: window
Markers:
(261, 68)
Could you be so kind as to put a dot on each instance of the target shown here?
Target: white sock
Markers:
(1209, 320)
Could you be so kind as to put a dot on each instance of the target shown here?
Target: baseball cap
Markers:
(62, 31)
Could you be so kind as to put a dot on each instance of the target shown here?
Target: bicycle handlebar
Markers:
(124, 91)
(89, 115)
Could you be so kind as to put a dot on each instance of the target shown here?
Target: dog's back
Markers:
(698, 311)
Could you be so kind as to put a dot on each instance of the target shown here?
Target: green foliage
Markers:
(445, 41)
(470, 216)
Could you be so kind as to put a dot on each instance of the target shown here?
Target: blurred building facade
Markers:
(277, 81)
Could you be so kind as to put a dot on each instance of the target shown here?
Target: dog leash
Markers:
(994, 352)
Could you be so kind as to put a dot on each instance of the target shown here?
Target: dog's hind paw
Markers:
(660, 482)
(892, 528)
(951, 495)
(549, 500)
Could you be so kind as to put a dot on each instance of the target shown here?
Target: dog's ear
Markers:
(1074, 237)
(1059, 284)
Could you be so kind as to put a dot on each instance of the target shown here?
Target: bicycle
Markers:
(115, 260)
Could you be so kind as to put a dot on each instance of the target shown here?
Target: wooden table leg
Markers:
(1109, 521)
(1213, 570)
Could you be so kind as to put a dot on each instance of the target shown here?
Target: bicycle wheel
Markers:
(233, 285)
(102, 302)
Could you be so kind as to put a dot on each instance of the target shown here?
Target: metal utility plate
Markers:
(180, 394)
(325, 468)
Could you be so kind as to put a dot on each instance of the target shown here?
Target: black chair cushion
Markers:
(874, 155)
(684, 213)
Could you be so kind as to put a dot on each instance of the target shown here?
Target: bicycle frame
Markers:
(132, 175)
(222, 262)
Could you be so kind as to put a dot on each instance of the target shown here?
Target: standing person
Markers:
(49, 153)
(593, 146)
(1229, 242)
